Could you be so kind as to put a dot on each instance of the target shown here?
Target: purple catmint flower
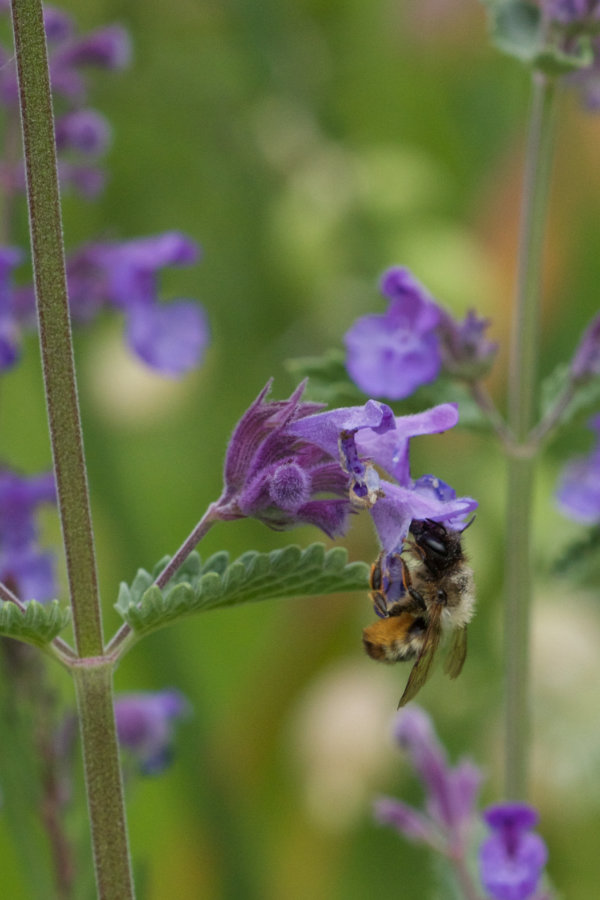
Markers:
(10, 257)
(512, 859)
(83, 130)
(24, 567)
(276, 476)
(586, 361)
(450, 791)
(145, 726)
(372, 435)
(568, 12)
(578, 492)
(391, 354)
(465, 350)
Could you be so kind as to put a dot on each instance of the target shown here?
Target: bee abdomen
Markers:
(395, 639)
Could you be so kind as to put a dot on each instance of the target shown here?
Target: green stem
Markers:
(92, 672)
(54, 325)
(522, 401)
(93, 682)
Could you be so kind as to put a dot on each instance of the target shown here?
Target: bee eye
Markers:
(441, 595)
(434, 545)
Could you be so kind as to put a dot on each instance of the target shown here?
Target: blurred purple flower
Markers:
(24, 567)
(372, 435)
(392, 354)
(511, 861)
(146, 724)
(84, 130)
(569, 11)
(170, 337)
(586, 361)
(10, 257)
(465, 351)
(274, 475)
(578, 492)
(450, 791)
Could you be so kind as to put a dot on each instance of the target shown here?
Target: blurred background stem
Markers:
(522, 408)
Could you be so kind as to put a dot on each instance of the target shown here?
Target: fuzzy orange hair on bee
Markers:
(421, 594)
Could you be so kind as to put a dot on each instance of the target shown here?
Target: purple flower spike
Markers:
(578, 493)
(107, 48)
(392, 354)
(279, 477)
(145, 726)
(512, 859)
(10, 257)
(450, 792)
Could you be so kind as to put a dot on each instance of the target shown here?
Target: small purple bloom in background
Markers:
(146, 725)
(451, 792)
(465, 350)
(24, 567)
(371, 434)
(392, 354)
(169, 337)
(586, 361)
(10, 257)
(512, 859)
(578, 492)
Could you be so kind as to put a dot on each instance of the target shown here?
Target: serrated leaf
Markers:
(585, 399)
(290, 572)
(38, 624)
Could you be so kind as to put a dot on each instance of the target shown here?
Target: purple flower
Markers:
(10, 257)
(586, 361)
(371, 435)
(145, 726)
(512, 859)
(83, 130)
(450, 792)
(569, 11)
(276, 476)
(466, 352)
(24, 567)
(578, 493)
(392, 354)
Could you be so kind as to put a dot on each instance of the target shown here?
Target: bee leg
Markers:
(418, 604)
(379, 605)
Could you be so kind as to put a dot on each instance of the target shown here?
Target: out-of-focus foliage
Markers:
(308, 145)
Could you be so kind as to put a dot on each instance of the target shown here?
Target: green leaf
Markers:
(329, 381)
(38, 625)
(198, 587)
(580, 560)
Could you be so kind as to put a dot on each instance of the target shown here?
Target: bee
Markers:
(420, 594)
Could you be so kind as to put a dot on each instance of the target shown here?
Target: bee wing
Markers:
(421, 669)
(457, 653)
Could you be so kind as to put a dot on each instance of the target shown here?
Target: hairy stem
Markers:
(522, 402)
(54, 325)
(93, 681)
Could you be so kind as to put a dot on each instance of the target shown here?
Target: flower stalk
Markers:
(93, 673)
(522, 403)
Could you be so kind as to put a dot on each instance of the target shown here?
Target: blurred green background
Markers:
(308, 145)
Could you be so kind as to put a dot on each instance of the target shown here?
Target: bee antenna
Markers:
(469, 523)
